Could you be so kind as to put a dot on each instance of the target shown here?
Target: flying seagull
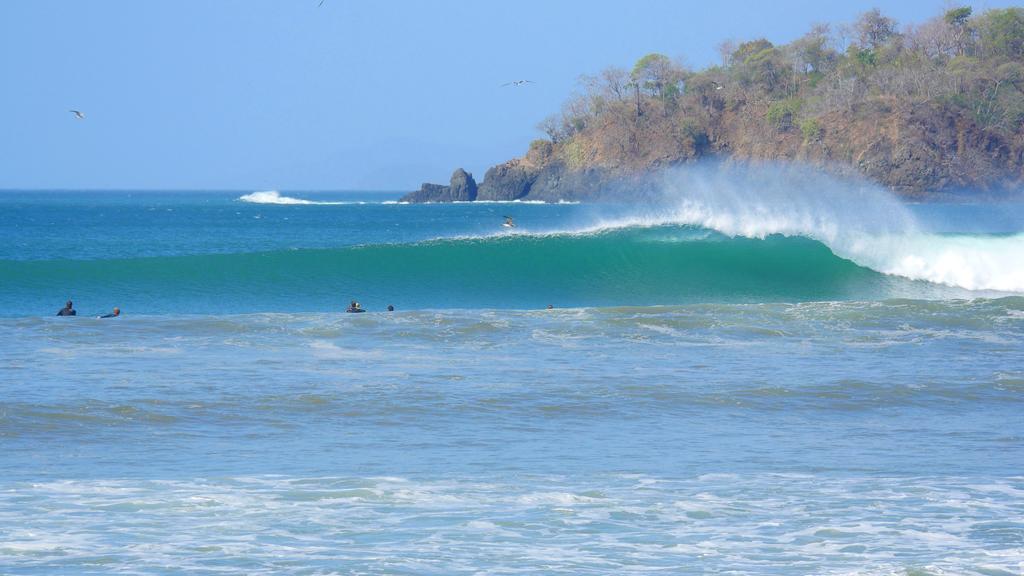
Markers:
(78, 115)
(320, 4)
(517, 82)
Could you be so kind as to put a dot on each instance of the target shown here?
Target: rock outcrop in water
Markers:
(933, 109)
(461, 188)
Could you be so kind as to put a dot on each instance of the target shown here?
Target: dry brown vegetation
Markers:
(931, 107)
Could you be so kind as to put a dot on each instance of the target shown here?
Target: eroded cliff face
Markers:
(510, 180)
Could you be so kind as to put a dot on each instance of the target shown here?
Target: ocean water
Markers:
(780, 381)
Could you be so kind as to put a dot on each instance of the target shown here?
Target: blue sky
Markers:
(283, 94)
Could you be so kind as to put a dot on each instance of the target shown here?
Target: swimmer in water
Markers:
(67, 310)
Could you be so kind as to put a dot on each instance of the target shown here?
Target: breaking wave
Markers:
(275, 197)
(855, 220)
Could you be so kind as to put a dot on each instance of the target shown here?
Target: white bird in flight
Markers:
(78, 115)
(517, 82)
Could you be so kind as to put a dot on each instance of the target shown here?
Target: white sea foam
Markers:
(858, 221)
(273, 524)
(275, 197)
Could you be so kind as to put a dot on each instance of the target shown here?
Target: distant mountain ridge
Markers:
(934, 108)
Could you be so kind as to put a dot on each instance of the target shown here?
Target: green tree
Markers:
(811, 52)
(656, 74)
(748, 49)
(874, 30)
(781, 114)
(760, 63)
(1002, 33)
(958, 16)
(660, 78)
(958, 20)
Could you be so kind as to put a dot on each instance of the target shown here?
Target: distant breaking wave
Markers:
(275, 197)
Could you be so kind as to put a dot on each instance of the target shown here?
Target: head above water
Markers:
(391, 308)
(117, 311)
(69, 304)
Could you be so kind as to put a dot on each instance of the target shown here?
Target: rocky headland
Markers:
(934, 109)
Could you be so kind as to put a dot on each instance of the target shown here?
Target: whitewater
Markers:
(275, 197)
(757, 373)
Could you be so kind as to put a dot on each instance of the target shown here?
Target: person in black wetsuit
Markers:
(114, 314)
(67, 310)
(354, 307)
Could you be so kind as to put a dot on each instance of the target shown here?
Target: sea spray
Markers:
(857, 220)
(275, 197)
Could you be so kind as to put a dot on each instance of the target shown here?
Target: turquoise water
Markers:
(809, 387)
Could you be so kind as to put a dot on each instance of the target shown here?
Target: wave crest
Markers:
(856, 220)
(275, 197)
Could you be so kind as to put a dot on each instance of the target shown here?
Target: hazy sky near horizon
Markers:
(283, 94)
